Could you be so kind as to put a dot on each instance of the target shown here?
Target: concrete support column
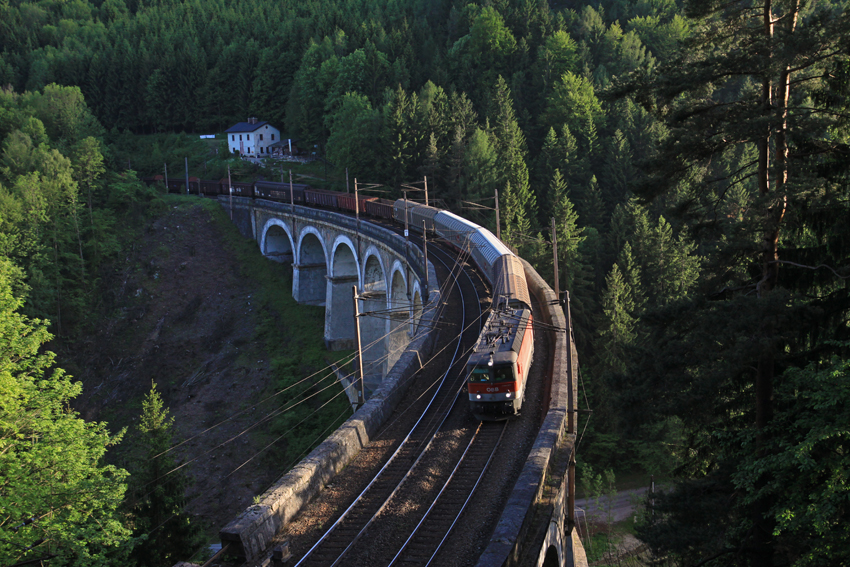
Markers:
(398, 338)
(339, 313)
(308, 284)
(373, 331)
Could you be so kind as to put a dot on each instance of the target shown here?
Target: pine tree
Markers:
(168, 532)
(761, 78)
(592, 208)
(633, 278)
(519, 202)
(576, 276)
(616, 327)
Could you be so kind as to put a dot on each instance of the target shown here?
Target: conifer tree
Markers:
(168, 532)
(576, 276)
(591, 205)
(758, 78)
(519, 203)
(632, 277)
(616, 327)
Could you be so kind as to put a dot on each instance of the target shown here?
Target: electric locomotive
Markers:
(497, 370)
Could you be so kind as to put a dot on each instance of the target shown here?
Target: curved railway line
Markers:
(420, 459)
(410, 499)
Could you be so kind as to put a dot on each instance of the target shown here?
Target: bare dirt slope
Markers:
(180, 313)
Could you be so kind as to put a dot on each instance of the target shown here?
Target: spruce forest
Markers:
(693, 157)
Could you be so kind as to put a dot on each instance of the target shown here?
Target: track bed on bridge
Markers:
(471, 535)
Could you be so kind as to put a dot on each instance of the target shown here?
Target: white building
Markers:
(252, 138)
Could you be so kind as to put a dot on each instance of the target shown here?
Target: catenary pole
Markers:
(230, 185)
(425, 252)
(359, 345)
(291, 193)
(555, 258)
(498, 221)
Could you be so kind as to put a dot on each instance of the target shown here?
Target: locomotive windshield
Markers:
(503, 373)
(479, 374)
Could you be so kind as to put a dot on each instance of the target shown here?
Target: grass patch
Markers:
(293, 338)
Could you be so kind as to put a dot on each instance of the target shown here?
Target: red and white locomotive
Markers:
(497, 370)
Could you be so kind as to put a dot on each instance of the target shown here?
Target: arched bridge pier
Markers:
(329, 254)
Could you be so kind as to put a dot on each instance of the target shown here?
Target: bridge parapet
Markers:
(534, 527)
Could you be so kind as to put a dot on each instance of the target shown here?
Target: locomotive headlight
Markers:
(478, 397)
(508, 395)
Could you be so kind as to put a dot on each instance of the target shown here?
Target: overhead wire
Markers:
(437, 314)
(278, 412)
(346, 360)
(185, 506)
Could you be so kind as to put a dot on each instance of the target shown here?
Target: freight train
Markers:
(497, 370)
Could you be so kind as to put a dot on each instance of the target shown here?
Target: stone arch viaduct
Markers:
(330, 253)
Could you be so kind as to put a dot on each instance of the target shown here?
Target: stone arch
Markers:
(373, 328)
(400, 312)
(552, 558)
(344, 261)
(310, 269)
(276, 242)
(339, 312)
(374, 273)
(311, 247)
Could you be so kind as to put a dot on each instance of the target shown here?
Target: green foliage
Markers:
(807, 457)
(167, 534)
(741, 176)
(57, 497)
(353, 139)
(479, 97)
(617, 326)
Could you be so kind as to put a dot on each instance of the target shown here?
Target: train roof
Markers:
(510, 284)
(501, 336)
(489, 246)
(454, 222)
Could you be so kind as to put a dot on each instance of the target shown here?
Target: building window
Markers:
(248, 137)
(240, 137)
(272, 137)
(262, 149)
(233, 137)
(261, 137)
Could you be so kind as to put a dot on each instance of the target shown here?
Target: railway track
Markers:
(439, 462)
(427, 490)
(426, 541)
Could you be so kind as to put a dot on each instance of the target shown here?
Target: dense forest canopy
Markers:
(692, 157)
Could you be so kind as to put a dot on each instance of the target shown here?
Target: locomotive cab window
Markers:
(479, 374)
(503, 374)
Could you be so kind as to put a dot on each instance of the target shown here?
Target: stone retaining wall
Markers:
(509, 542)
